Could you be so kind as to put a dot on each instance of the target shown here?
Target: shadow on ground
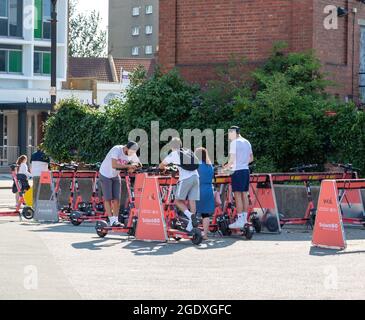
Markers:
(322, 252)
(65, 228)
(140, 248)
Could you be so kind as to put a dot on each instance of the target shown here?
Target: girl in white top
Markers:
(23, 167)
(24, 173)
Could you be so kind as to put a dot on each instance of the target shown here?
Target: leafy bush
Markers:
(64, 130)
(281, 108)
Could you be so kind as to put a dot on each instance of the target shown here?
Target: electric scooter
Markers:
(343, 195)
(226, 213)
(310, 212)
(27, 212)
(94, 209)
(175, 220)
(128, 217)
(66, 171)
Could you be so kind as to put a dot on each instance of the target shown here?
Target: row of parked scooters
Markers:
(78, 211)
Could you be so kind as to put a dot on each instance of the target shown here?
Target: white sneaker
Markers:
(238, 224)
(189, 226)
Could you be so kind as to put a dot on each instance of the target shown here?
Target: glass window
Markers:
(135, 51)
(3, 8)
(47, 10)
(46, 30)
(3, 27)
(37, 62)
(149, 9)
(135, 31)
(15, 61)
(148, 50)
(148, 29)
(42, 62)
(3, 61)
(16, 18)
(46, 19)
(135, 11)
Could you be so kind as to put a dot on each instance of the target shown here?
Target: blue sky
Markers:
(99, 5)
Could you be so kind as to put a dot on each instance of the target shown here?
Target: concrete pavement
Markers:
(60, 261)
(73, 263)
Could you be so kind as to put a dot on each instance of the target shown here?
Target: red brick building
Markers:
(196, 36)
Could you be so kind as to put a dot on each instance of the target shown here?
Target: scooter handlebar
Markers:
(347, 167)
(304, 167)
(66, 166)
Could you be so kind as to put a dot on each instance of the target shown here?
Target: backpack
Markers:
(188, 160)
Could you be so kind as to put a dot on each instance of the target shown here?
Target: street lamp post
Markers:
(53, 90)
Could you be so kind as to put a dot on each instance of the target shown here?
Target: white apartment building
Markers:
(25, 68)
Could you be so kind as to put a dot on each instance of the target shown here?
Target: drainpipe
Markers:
(112, 68)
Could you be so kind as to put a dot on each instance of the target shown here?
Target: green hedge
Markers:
(281, 108)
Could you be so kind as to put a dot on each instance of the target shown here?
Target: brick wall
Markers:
(196, 36)
(339, 49)
(199, 35)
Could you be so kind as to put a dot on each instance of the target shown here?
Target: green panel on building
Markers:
(15, 61)
(38, 19)
(46, 63)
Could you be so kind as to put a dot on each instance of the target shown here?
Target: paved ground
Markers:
(63, 261)
(6, 181)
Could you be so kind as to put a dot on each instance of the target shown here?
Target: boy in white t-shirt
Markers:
(119, 157)
(188, 185)
(240, 156)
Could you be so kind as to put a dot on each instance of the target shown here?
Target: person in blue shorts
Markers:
(240, 156)
(206, 205)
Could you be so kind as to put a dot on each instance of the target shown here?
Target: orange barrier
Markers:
(328, 230)
(151, 223)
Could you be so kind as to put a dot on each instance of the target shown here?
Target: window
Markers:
(11, 61)
(4, 8)
(3, 61)
(148, 50)
(135, 51)
(42, 62)
(149, 9)
(148, 29)
(46, 19)
(135, 31)
(135, 11)
(15, 61)
(11, 18)
(42, 16)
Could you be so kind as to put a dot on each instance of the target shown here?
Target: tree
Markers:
(86, 38)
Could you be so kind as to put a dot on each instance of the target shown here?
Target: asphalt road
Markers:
(60, 261)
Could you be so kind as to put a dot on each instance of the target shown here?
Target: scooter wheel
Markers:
(197, 236)
(313, 218)
(28, 213)
(256, 223)
(272, 224)
(100, 228)
(248, 232)
(75, 218)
